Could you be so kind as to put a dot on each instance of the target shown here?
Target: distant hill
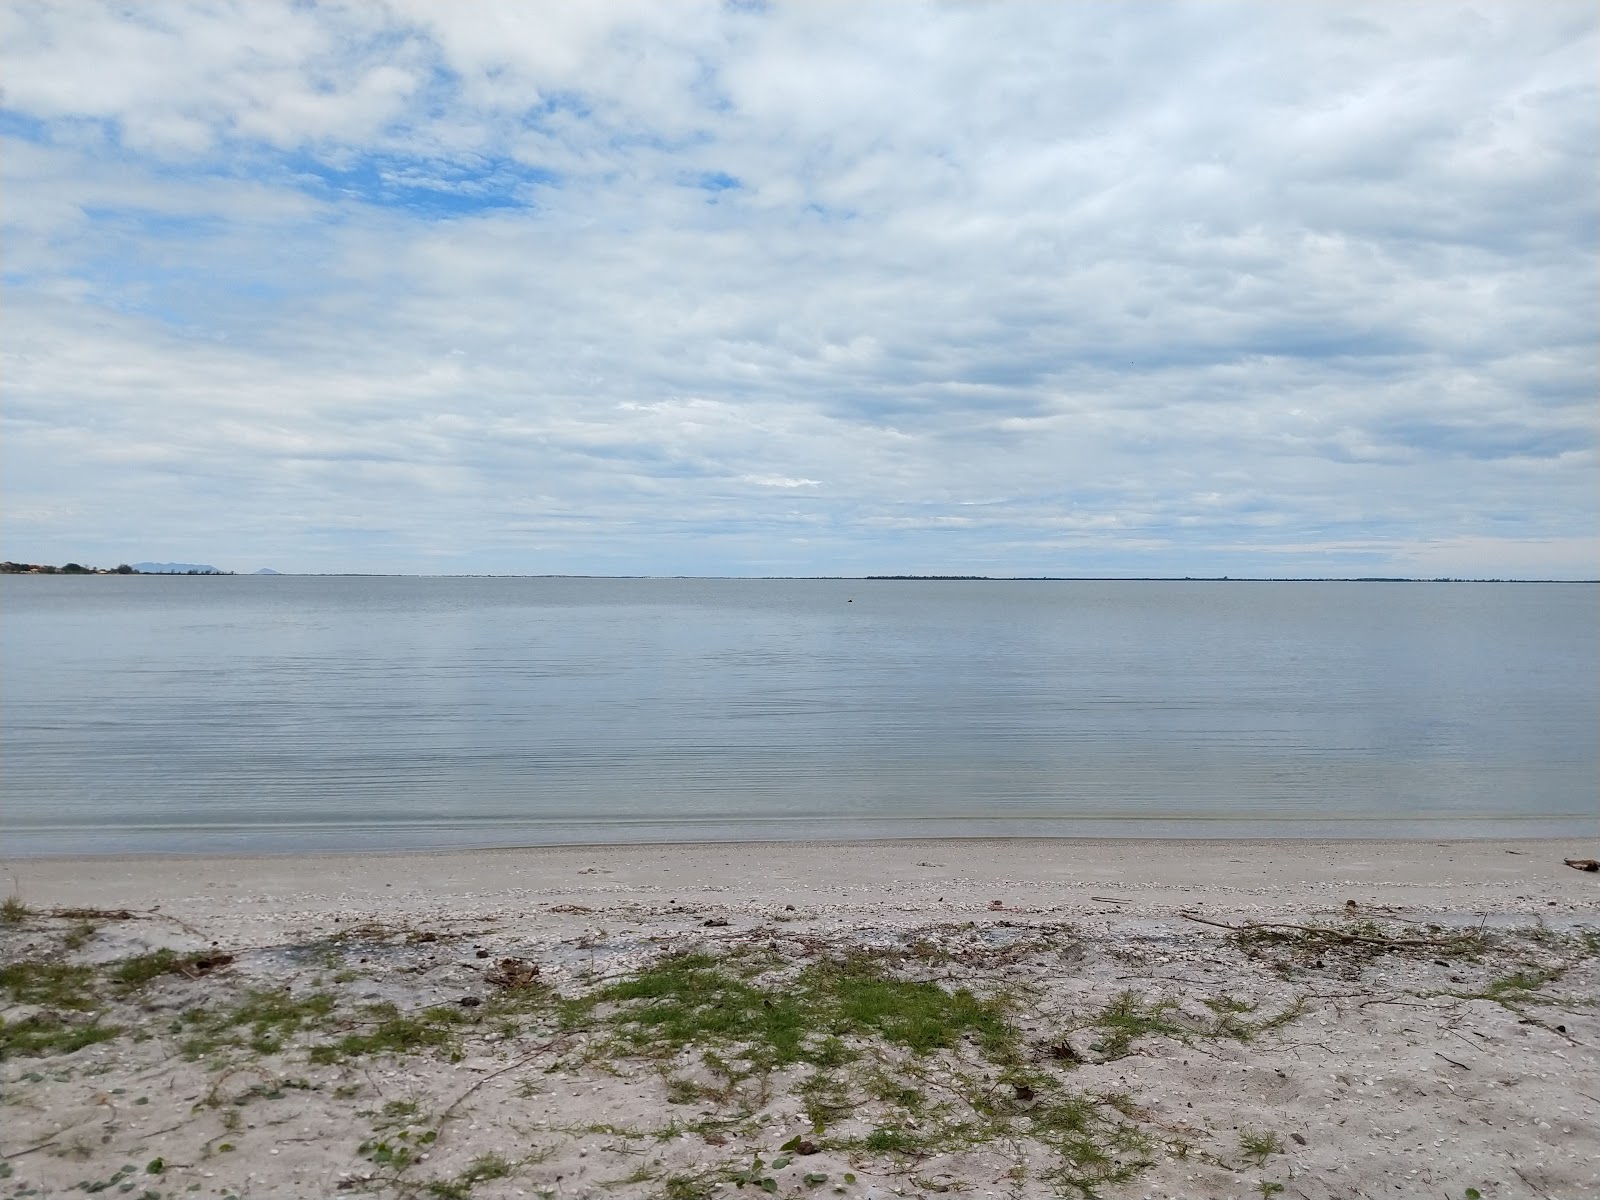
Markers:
(148, 568)
(266, 571)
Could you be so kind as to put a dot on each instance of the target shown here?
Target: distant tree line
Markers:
(72, 568)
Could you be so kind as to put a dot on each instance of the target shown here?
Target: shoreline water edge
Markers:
(1123, 1018)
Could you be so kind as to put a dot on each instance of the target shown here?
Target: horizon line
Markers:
(897, 578)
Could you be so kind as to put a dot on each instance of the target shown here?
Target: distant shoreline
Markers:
(72, 568)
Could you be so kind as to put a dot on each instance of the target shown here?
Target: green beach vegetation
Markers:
(893, 1054)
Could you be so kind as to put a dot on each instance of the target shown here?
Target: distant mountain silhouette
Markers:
(148, 568)
(266, 571)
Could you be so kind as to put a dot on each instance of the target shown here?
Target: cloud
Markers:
(791, 289)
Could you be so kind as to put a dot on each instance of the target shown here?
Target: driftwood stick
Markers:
(1189, 916)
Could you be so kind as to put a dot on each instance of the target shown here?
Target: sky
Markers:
(802, 289)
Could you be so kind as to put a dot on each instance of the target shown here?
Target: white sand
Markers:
(1389, 1081)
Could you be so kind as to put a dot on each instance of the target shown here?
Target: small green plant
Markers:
(1268, 1188)
(1127, 1019)
(699, 1186)
(825, 1097)
(755, 1174)
(683, 1091)
(399, 1150)
(13, 911)
(1259, 1145)
(481, 1169)
(1520, 987)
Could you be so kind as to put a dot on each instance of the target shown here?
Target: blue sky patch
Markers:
(428, 187)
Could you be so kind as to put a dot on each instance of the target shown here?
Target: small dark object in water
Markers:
(1582, 864)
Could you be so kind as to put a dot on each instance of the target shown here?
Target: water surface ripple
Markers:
(284, 713)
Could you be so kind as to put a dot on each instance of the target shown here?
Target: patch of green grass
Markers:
(400, 1137)
(56, 984)
(393, 1032)
(45, 1034)
(13, 911)
(137, 971)
(268, 1017)
(900, 1141)
(1127, 1018)
(699, 999)
(396, 1114)
(480, 1170)
(1092, 1147)
(857, 998)
(825, 1097)
(888, 1089)
(683, 1091)
(1232, 1023)
(1259, 1145)
(696, 998)
(1519, 987)
(918, 1040)
(640, 1174)
(697, 1186)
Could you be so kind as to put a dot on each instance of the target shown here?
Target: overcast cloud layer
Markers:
(1270, 289)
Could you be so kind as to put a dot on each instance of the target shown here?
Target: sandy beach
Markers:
(991, 1018)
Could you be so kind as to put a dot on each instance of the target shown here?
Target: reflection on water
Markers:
(279, 713)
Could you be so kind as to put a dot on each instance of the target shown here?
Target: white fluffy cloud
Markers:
(1064, 289)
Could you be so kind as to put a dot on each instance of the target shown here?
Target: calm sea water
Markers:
(257, 713)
